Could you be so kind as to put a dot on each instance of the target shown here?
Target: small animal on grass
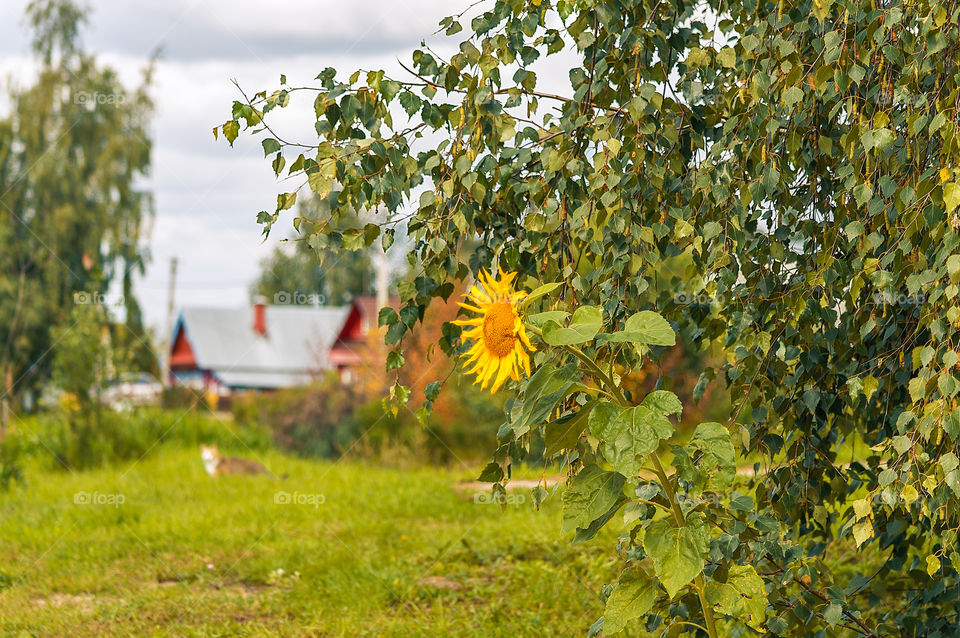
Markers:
(217, 465)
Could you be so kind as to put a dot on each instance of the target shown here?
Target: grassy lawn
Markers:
(361, 552)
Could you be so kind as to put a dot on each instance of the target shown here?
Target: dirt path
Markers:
(465, 487)
(514, 484)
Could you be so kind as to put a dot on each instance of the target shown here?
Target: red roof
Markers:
(361, 321)
(181, 355)
(363, 318)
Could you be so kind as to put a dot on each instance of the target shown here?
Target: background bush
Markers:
(310, 421)
(12, 449)
(71, 440)
(329, 419)
(179, 397)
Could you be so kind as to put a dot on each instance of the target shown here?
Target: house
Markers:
(268, 347)
(354, 348)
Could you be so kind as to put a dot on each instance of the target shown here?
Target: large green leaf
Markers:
(539, 292)
(632, 598)
(564, 433)
(591, 495)
(540, 318)
(548, 385)
(584, 326)
(645, 328)
(586, 533)
(953, 268)
(951, 196)
(742, 597)
(664, 402)
(718, 453)
(627, 435)
(677, 552)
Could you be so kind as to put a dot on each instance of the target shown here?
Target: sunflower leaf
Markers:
(677, 551)
(564, 433)
(634, 595)
(664, 402)
(541, 318)
(586, 533)
(742, 597)
(646, 328)
(548, 385)
(584, 326)
(538, 292)
(591, 494)
(718, 453)
(628, 434)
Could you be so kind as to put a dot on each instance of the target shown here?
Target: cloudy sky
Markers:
(207, 194)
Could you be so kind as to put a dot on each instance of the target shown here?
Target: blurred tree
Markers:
(81, 358)
(71, 215)
(302, 271)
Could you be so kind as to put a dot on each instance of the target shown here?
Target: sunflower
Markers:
(500, 340)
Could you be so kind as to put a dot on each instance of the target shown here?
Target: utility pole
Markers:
(168, 335)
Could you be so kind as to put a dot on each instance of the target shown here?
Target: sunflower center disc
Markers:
(498, 333)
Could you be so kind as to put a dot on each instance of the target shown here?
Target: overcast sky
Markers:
(207, 194)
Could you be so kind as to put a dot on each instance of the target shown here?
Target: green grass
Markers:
(188, 555)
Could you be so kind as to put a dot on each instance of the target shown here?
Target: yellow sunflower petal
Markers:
(467, 306)
(473, 333)
(480, 365)
(473, 354)
(489, 283)
(488, 371)
(524, 339)
(479, 295)
(524, 358)
(507, 278)
(499, 285)
(498, 342)
(514, 371)
(468, 322)
(506, 365)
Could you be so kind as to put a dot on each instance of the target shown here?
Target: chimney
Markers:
(260, 315)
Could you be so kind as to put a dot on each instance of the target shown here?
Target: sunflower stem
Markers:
(603, 379)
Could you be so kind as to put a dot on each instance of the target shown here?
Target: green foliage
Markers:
(742, 596)
(718, 458)
(628, 434)
(80, 360)
(632, 598)
(592, 494)
(12, 453)
(66, 443)
(777, 179)
(670, 519)
(315, 420)
(329, 419)
(584, 325)
(74, 147)
(677, 550)
(310, 273)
